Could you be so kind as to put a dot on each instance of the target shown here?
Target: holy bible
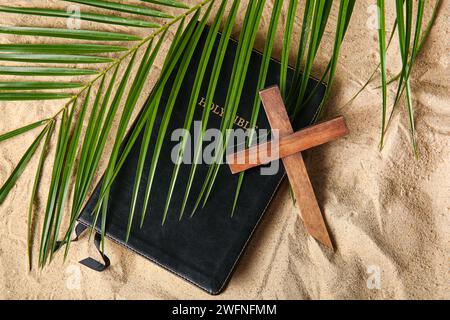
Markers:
(203, 249)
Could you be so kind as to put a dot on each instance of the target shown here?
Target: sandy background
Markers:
(386, 211)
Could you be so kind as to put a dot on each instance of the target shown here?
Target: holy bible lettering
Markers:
(218, 110)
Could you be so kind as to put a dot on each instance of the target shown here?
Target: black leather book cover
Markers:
(203, 249)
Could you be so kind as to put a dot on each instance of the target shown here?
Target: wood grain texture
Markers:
(295, 168)
(307, 138)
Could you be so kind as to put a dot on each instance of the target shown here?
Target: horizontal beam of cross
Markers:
(307, 138)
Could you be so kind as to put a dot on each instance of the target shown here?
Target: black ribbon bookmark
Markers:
(79, 229)
(89, 262)
(94, 264)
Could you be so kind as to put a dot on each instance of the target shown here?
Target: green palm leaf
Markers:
(245, 47)
(45, 71)
(61, 146)
(382, 43)
(184, 64)
(103, 199)
(34, 192)
(305, 30)
(374, 72)
(344, 15)
(174, 54)
(220, 55)
(113, 109)
(18, 170)
(147, 120)
(180, 44)
(143, 153)
(319, 21)
(87, 143)
(204, 60)
(52, 58)
(169, 3)
(73, 53)
(287, 44)
(423, 40)
(96, 143)
(66, 173)
(10, 86)
(151, 107)
(16, 132)
(69, 33)
(133, 96)
(109, 19)
(79, 48)
(21, 96)
(261, 83)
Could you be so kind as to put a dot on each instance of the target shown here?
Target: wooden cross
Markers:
(289, 149)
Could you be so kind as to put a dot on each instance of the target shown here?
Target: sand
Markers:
(387, 212)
